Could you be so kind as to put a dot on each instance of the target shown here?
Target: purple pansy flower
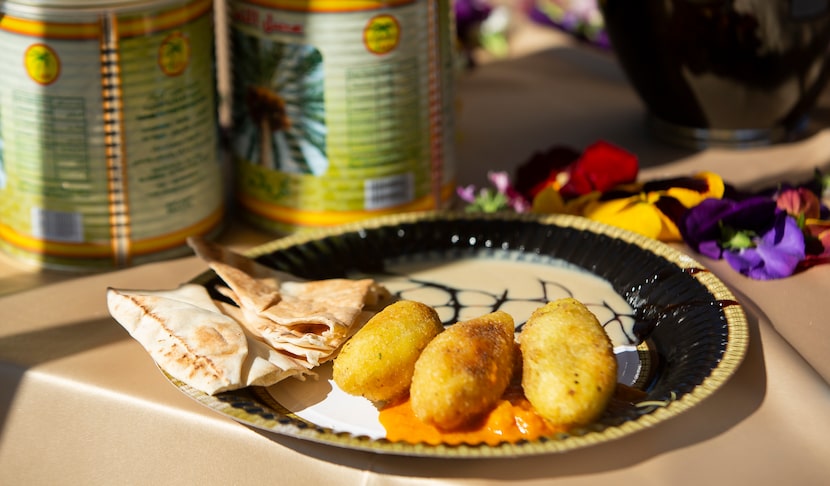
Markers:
(752, 235)
(776, 254)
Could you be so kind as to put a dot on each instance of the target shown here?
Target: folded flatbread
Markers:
(306, 319)
(276, 325)
(256, 285)
(187, 335)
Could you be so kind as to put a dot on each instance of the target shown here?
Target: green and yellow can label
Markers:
(341, 109)
(108, 135)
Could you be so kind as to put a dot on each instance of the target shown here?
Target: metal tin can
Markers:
(108, 130)
(341, 110)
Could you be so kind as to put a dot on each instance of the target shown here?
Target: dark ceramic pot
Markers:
(723, 72)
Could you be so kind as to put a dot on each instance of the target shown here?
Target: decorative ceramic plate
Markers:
(678, 332)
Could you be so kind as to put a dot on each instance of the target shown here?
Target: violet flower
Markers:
(471, 10)
(469, 16)
(752, 235)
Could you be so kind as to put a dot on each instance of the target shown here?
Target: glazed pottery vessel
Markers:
(723, 72)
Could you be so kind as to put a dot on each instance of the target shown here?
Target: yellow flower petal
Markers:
(716, 186)
(548, 201)
(691, 198)
(578, 204)
(630, 213)
(669, 230)
(686, 197)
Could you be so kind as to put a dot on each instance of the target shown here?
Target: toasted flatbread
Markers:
(185, 334)
(255, 284)
(266, 366)
(190, 338)
(275, 325)
(308, 319)
(307, 350)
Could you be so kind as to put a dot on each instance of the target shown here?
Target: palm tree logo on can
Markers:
(174, 54)
(382, 34)
(42, 64)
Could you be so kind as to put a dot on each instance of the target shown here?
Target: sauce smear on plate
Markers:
(512, 420)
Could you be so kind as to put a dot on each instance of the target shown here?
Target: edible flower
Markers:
(755, 237)
(800, 203)
(481, 24)
(805, 207)
(469, 15)
(600, 184)
(654, 208)
(600, 167)
(767, 234)
(486, 200)
(817, 243)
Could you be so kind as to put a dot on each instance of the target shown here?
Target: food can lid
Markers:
(22, 6)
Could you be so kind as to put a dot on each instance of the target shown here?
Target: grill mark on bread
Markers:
(202, 362)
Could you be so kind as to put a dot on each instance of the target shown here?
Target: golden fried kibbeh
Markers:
(569, 371)
(463, 371)
(379, 360)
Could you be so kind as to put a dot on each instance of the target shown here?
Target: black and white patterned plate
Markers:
(678, 332)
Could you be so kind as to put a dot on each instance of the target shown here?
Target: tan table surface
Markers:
(82, 403)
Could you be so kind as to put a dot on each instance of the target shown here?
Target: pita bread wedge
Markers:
(311, 348)
(188, 336)
(255, 284)
(212, 252)
(326, 306)
(185, 334)
(266, 366)
(306, 319)
(304, 351)
(312, 319)
(279, 327)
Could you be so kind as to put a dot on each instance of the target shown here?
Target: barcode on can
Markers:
(384, 192)
(54, 225)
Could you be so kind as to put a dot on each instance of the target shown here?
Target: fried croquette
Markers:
(569, 371)
(463, 371)
(379, 360)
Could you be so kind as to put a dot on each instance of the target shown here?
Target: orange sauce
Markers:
(513, 419)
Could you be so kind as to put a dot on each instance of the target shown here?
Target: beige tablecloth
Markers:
(82, 403)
